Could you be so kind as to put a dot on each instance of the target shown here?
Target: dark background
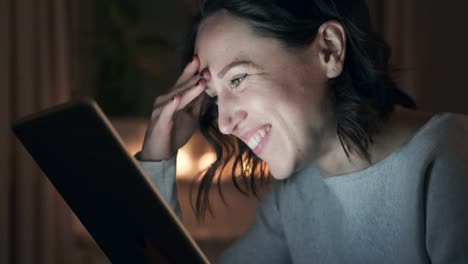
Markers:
(124, 53)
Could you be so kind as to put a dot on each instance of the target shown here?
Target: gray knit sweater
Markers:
(411, 207)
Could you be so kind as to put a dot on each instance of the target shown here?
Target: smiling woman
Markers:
(245, 110)
(301, 91)
(275, 52)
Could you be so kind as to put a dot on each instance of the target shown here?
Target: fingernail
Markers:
(200, 81)
(206, 74)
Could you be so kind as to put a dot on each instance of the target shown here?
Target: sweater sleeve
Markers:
(264, 242)
(447, 205)
(163, 176)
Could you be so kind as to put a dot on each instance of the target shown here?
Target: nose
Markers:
(230, 115)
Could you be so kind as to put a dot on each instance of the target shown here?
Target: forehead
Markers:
(220, 26)
(223, 37)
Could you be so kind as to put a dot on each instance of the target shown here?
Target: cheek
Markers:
(269, 91)
(259, 94)
(284, 90)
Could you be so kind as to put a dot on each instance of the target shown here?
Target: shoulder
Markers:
(451, 123)
(442, 139)
(446, 189)
(422, 133)
(446, 176)
(447, 132)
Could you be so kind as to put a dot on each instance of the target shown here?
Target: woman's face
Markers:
(272, 98)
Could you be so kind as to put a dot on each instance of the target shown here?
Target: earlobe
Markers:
(332, 41)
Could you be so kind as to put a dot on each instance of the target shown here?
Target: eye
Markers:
(236, 81)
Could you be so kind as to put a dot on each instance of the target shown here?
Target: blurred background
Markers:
(124, 53)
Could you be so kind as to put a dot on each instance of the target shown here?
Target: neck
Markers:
(334, 160)
(331, 158)
(395, 132)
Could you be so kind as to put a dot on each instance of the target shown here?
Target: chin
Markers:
(280, 170)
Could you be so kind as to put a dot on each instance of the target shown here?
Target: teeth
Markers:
(262, 133)
(253, 142)
(255, 139)
(258, 137)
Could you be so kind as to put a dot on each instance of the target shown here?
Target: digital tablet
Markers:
(77, 148)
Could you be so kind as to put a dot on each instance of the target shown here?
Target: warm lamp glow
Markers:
(185, 166)
(190, 161)
(132, 132)
(206, 160)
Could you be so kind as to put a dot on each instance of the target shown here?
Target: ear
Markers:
(331, 39)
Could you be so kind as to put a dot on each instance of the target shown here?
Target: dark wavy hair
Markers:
(362, 96)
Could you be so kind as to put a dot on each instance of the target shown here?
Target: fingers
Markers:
(169, 109)
(166, 98)
(195, 85)
(173, 128)
(190, 70)
(198, 103)
(192, 83)
(188, 88)
(188, 96)
(181, 101)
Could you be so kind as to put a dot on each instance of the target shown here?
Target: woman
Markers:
(304, 87)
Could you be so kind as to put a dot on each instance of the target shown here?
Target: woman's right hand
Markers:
(175, 114)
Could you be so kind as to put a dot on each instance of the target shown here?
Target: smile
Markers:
(258, 140)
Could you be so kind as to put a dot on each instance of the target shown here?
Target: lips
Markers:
(255, 138)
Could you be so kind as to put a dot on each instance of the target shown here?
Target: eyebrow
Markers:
(236, 63)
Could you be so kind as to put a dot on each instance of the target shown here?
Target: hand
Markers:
(175, 115)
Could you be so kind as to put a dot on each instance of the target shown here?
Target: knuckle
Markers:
(155, 114)
(167, 115)
(157, 101)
